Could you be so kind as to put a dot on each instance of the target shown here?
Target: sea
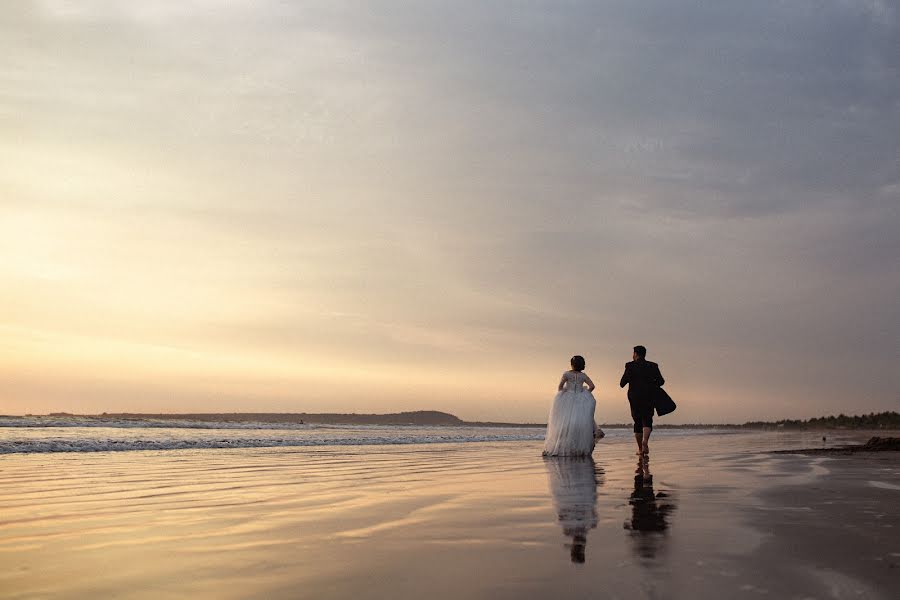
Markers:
(42, 434)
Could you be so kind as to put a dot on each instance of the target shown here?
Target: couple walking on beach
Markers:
(571, 430)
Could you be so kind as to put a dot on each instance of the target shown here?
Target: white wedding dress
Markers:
(570, 427)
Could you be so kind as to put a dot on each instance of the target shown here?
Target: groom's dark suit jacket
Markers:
(643, 379)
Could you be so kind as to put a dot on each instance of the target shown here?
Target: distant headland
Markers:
(884, 420)
(418, 417)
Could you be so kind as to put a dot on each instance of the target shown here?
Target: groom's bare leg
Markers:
(638, 437)
(645, 458)
(645, 440)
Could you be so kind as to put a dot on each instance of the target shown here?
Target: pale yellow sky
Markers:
(324, 206)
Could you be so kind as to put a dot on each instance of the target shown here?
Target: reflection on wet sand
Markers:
(650, 513)
(573, 485)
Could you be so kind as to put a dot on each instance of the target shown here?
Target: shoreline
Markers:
(431, 418)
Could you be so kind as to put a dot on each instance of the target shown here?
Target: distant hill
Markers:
(419, 417)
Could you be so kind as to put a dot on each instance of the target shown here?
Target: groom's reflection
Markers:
(650, 512)
(573, 485)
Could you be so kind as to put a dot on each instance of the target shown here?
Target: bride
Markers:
(570, 428)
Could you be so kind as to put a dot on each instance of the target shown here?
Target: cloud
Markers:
(456, 186)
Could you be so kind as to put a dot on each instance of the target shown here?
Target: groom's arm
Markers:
(659, 378)
(625, 378)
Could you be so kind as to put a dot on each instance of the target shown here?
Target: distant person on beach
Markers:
(643, 380)
(570, 427)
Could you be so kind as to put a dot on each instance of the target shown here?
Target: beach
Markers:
(724, 517)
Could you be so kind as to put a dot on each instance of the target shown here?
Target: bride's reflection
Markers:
(573, 484)
(650, 513)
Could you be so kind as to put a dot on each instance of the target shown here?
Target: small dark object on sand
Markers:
(875, 444)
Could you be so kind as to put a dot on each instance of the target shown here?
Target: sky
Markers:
(332, 206)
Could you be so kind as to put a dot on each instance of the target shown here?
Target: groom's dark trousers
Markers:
(642, 378)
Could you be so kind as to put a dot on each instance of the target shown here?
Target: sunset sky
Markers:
(211, 206)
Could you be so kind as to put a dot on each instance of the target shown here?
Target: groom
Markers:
(643, 379)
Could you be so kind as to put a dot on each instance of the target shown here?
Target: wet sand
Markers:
(724, 518)
(840, 534)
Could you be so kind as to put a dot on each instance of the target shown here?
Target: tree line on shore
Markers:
(882, 420)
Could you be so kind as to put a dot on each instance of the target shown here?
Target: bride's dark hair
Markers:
(577, 363)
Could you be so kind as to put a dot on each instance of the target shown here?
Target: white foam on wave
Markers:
(29, 435)
(44, 445)
(95, 439)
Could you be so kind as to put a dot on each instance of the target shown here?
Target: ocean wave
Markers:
(44, 445)
(36, 435)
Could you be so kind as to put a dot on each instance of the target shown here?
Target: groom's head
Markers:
(639, 353)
